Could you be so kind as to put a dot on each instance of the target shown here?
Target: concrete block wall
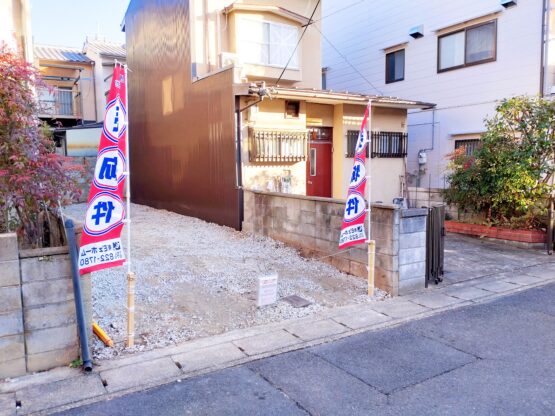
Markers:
(48, 308)
(312, 225)
(12, 344)
(38, 328)
(400, 236)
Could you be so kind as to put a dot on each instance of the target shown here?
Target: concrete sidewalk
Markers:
(63, 388)
(482, 359)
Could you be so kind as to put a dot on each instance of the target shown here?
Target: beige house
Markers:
(305, 130)
(229, 94)
(15, 26)
(69, 98)
(104, 55)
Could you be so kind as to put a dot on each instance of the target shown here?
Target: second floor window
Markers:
(469, 46)
(267, 43)
(395, 66)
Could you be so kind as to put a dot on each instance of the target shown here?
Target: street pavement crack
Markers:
(282, 391)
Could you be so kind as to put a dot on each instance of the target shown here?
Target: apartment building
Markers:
(463, 56)
(221, 99)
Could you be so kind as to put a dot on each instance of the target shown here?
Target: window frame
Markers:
(404, 65)
(312, 161)
(474, 142)
(270, 22)
(293, 102)
(465, 29)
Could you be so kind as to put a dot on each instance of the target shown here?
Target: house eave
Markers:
(332, 97)
(277, 10)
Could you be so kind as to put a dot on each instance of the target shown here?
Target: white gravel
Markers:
(196, 279)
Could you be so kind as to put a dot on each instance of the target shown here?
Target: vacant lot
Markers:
(196, 279)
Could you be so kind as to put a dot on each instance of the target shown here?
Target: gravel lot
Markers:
(196, 279)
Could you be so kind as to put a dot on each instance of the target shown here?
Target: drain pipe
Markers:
(79, 308)
(422, 157)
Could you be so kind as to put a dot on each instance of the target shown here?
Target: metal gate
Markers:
(435, 236)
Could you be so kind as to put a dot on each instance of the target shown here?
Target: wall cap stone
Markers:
(296, 196)
(45, 251)
(414, 212)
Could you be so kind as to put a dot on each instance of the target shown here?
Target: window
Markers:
(395, 66)
(470, 46)
(277, 146)
(292, 109)
(384, 144)
(352, 137)
(389, 144)
(267, 43)
(470, 145)
(312, 162)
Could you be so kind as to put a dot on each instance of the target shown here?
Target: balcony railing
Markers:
(60, 102)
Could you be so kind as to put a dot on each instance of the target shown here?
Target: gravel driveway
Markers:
(196, 279)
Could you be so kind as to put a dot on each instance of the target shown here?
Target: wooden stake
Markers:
(371, 257)
(130, 309)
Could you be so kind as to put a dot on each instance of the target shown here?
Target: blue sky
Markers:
(68, 22)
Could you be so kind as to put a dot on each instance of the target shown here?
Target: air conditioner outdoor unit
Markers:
(228, 58)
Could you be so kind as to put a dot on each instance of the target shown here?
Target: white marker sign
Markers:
(267, 290)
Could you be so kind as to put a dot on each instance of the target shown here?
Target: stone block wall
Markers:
(312, 225)
(12, 344)
(400, 235)
(40, 328)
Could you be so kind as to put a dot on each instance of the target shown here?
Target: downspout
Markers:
(543, 58)
(422, 152)
(94, 91)
(78, 297)
(238, 162)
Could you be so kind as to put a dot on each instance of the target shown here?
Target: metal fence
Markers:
(435, 241)
(277, 145)
(384, 144)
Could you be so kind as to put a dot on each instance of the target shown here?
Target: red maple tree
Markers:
(34, 180)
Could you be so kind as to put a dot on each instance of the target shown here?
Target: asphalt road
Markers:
(496, 358)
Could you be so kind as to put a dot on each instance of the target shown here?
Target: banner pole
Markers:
(371, 242)
(130, 275)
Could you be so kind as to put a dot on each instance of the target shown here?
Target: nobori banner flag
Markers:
(100, 242)
(352, 229)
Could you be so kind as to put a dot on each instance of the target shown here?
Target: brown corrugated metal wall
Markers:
(182, 134)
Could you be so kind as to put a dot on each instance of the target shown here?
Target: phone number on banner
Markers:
(101, 252)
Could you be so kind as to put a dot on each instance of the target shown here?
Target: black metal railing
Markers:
(384, 144)
(277, 145)
(389, 144)
(435, 243)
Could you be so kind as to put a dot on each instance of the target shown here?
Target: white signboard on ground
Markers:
(267, 290)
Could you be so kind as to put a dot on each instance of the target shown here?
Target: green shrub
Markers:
(509, 176)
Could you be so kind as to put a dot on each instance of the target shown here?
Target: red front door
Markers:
(318, 168)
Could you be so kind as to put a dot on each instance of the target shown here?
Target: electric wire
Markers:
(298, 42)
(347, 61)
(337, 11)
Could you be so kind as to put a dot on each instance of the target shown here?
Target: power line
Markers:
(338, 11)
(347, 61)
(298, 42)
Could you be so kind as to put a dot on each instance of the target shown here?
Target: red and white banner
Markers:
(100, 243)
(353, 230)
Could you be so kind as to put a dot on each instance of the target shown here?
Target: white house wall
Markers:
(464, 97)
